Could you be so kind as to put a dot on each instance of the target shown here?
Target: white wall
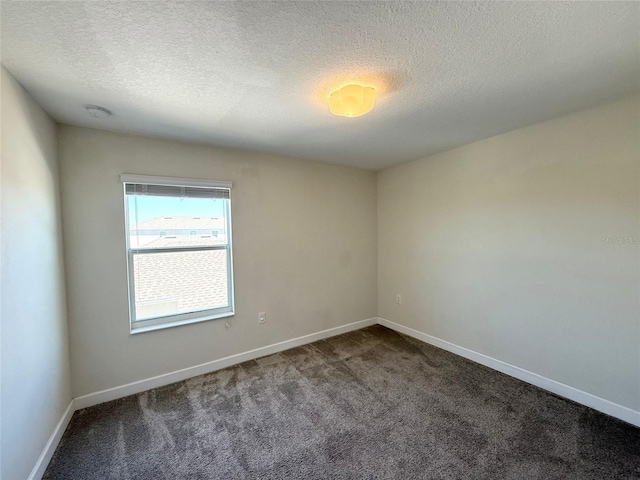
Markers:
(35, 354)
(304, 252)
(498, 247)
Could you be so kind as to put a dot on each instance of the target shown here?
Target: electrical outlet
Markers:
(227, 324)
(262, 317)
(398, 298)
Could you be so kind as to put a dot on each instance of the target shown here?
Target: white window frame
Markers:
(157, 323)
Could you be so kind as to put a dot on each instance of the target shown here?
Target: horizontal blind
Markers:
(175, 191)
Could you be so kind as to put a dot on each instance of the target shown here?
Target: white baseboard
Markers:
(52, 444)
(142, 385)
(579, 396)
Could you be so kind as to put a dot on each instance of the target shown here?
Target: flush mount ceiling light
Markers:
(98, 112)
(352, 100)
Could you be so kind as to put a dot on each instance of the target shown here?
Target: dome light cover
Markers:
(352, 100)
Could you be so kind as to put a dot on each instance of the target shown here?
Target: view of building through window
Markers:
(179, 249)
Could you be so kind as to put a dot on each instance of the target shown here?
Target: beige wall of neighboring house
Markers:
(524, 247)
(304, 238)
(35, 354)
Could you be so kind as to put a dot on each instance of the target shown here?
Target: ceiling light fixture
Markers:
(98, 112)
(352, 100)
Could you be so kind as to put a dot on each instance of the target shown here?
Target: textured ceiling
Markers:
(257, 75)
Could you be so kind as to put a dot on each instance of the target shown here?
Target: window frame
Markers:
(175, 320)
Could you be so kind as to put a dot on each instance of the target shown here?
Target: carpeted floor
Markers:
(371, 404)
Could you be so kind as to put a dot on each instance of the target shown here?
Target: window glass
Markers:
(179, 254)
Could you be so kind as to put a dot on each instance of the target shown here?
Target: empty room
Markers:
(320, 240)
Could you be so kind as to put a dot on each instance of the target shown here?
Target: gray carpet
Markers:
(371, 404)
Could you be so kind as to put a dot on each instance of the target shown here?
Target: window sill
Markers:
(178, 323)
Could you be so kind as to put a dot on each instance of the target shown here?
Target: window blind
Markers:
(175, 191)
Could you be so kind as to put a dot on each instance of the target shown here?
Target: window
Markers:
(181, 277)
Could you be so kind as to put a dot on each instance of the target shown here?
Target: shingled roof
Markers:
(179, 282)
